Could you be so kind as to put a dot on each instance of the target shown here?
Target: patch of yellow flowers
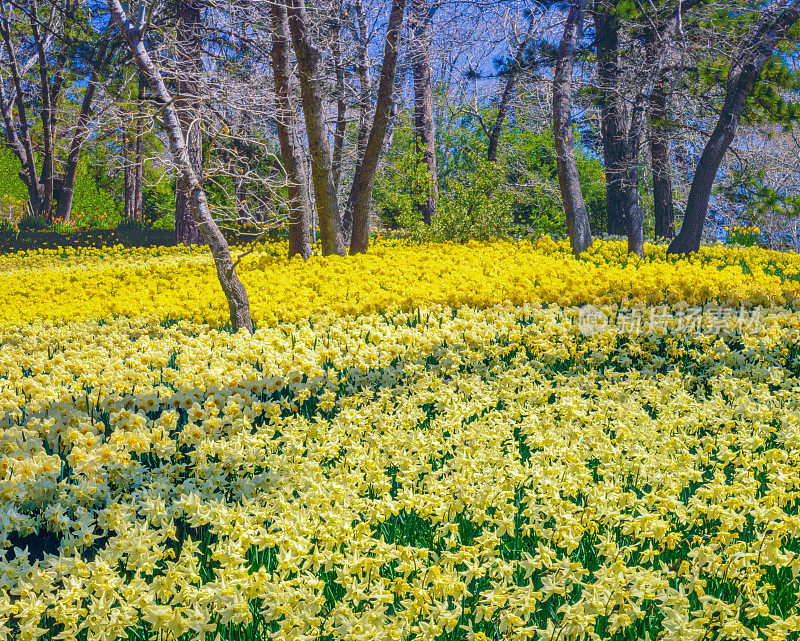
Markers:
(437, 474)
(744, 229)
(743, 235)
(180, 283)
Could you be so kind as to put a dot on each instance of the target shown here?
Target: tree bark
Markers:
(188, 26)
(138, 180)
(20, 142)
(133, 152)
(613, 115)
(312, 92)
(235, 293)
(67, 191)
(397, 92)
(421, 14)
(658, 50)
(364, 180)
(568, 180)
(364, 104)
(28, 174)
(745, 68)
(508, 93)
(299, 211)
(663, 208)
(127, 175)
(341, 105)
(364, 81)
(47, 178)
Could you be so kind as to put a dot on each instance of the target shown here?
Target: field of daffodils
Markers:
(433, 443)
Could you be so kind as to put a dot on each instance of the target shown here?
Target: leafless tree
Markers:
(310, 66)
(663, 206)
(300, 218)
(508, 90)
(361, 193)
(133, 159)
(572, 197)
(745, 68)
(188, 57)
(421, 13)
(15, 24)
(238, 302)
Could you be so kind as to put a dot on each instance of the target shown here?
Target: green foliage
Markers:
(769, 102)
(60, 227)
(478, 206)
(93, 202)
(131, 224)
(478, 199)
(748, 188)
(165, 222)
(405, 182)
(158, 202)
(11, 211)
(7, 224)
(531, 157)
(96, 218)
(627, 10)
(11, 186)
(32, 223)
(474, 198)
(93, 206)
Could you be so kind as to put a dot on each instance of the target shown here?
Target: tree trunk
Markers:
(341, 105)
(58, 78)
(20, 142)
(663, 208)
(634, 215)
(424, 123)
(574, 207)
(629, 189)
(745, 68)
(613, 116)
(364, 104)
(299, 214)
(67, 192)
(312, 92)
(186, 230)
(238, 302)
(364, 180)
(397, 93)
(188, 28)
(47, 178)
(508, 93)
(127, 174)
(364, 81)
(658, 49)
(138, 180)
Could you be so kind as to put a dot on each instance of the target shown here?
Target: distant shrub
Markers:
(165, 222)
(131, 224)
(97, 219)
(32, 223)
(7, 225)
(61, 227)
(94, 203)
(519, 193)
(478, 206)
